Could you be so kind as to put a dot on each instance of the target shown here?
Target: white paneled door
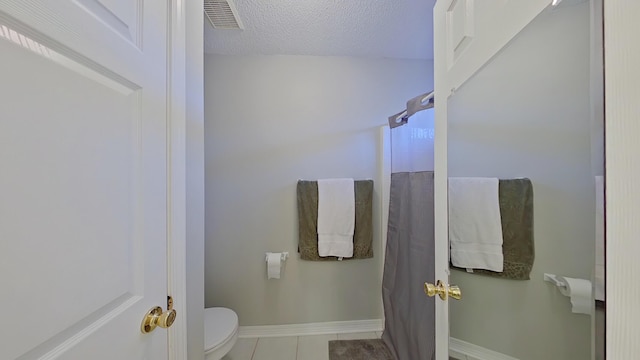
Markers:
(84, 169)
(467, 34)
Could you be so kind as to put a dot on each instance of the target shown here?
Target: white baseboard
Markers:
(463, 350)
(333, 327)
(458, 349)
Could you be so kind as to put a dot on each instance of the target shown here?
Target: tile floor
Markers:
(313, 347)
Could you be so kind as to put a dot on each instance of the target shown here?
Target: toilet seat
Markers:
(220, 332)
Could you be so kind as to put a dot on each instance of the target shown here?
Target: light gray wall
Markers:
(195, 181)
(271, 120)
(527, 114)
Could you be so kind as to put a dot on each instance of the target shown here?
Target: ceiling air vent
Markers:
(222, 14)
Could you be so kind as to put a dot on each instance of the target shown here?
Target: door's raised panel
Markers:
(87, 69)
(85, 31)
(121, 16)
(476, 31)
(69, 147)
(460, 28)
(70, 342)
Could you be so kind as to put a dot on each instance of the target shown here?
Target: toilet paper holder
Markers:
(554, 280)
(283, 256)
(579, 291)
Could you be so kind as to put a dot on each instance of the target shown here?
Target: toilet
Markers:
(220, 332)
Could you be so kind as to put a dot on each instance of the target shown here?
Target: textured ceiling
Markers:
(371, 28)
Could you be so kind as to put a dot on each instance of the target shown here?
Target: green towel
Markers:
(516, 212)
(307, 193)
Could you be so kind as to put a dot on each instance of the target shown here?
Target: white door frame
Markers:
(440, 200)
(622, 54)
(176, 177)
(622, 168)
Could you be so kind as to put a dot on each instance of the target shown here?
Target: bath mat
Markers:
(369, 349)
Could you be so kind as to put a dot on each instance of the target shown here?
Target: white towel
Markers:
(475, 228)
(336, 217)
(600, 261)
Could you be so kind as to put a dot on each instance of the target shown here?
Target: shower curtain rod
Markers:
(425, 99)
(418, 103)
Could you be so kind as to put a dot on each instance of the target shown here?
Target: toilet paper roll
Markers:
(274, 264)
(580, 292)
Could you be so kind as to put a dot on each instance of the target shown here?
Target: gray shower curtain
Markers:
(409, 314)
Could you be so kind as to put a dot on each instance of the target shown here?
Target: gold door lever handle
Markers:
(155, 317)
(443, 290)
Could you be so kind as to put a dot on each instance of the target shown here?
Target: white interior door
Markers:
(467, 34)
(83, 184)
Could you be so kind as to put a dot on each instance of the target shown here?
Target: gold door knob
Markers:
(443, 290)
(455, 292)
(167, 318)
(155, 317)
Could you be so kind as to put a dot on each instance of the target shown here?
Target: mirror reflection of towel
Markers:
(475, 232)
(516, 212)
(307, 198)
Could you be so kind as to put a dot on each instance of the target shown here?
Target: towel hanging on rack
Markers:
(307, 198)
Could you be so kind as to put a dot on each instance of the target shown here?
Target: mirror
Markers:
(535, 111)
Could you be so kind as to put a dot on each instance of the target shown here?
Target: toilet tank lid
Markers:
(220, 324)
